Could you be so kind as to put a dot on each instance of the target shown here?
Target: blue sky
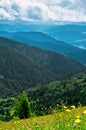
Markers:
(43, 10)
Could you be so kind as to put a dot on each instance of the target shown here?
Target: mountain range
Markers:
(47, 42)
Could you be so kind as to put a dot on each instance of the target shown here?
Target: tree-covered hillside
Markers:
(23, 66)
(69, 92)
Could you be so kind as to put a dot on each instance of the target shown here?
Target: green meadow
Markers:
(69, 119)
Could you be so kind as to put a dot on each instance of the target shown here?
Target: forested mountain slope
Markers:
(23, 66)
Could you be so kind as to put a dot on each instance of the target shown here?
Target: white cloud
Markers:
(44, 10)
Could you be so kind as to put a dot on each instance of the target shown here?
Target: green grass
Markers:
(57, 121)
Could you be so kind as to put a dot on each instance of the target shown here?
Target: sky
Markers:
(43, 10)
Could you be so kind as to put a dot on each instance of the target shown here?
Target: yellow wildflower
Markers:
(73, 107)
(77, 121)
(18, 122)
(68, 110)
(78, 117)
(84, 112)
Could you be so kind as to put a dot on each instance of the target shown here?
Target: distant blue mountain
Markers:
(46, 42)
(41, 40)
(69, 33)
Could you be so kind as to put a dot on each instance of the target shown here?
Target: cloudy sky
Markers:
(43, 10)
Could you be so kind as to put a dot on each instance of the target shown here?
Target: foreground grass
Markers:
(74, 119)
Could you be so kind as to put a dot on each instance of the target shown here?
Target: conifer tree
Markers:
(22, 106)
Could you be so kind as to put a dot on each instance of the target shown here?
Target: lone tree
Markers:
(22, 106)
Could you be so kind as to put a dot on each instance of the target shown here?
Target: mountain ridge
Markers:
(46, 42)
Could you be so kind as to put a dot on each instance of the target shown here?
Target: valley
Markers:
(51, 72)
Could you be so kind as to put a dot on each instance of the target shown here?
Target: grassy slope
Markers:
(56, 121)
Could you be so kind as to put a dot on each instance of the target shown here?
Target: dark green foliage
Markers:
(5, 114)
(22, 67)
(22, 106)
(5, 109)
(44, 99)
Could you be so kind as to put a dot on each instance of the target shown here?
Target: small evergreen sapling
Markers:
(22, 106)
